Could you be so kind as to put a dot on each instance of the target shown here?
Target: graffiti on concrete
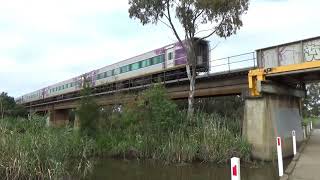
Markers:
(290, 54)
(312, 50)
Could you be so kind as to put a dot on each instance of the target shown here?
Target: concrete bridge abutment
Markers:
(269, 116)
(59, 117)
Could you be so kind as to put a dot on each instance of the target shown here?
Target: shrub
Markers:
(88, 113)
(153, 127)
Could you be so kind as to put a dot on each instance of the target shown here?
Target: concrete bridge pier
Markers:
(76, 123)
(59, 117)
(273, 114)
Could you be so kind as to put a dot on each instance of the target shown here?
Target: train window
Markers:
(109, 73)
(135, 66)
(170, 55)
(124, 69)
(116, 71)
(99, 76)
(152, 61)
(145, 63)
(158, 59)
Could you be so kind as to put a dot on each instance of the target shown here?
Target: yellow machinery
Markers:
(261, 74)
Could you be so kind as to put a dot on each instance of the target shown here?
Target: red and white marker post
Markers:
(280, 160)
(294, 142)
(235, 168)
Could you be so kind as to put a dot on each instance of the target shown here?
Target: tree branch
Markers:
(214, 31)
(205, 30)
(215, 46)
(197, 16)
(172, 26)
(165, 23)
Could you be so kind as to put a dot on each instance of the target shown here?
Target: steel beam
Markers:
(273, 88)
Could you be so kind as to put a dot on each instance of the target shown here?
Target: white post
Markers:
(294, 142)
(235, 168)
(304, 132)
(311, 125)
(280, 161)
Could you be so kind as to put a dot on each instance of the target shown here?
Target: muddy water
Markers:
(145, 170)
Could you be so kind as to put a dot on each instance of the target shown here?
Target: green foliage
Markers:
(29, 150)
(314, 120)
(8, 107)
(88, 113)
(311, 104)
(191, 13)
(153, 127)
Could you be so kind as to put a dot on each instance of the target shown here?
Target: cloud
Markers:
(43, 42)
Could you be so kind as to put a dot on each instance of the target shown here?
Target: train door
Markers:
(170, 57)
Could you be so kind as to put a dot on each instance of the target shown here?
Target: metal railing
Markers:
(231, 63)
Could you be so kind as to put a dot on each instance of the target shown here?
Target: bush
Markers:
(88, 113)
(153, 127)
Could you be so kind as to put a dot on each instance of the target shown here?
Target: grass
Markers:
(152, 127)
(29, 150)
(314, 120)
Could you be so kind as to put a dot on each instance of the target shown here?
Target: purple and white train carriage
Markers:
(169, 58)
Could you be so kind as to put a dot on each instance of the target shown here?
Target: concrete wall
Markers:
(270, 116)
(59, 118)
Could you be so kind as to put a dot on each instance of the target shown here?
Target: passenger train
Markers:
(167, 58)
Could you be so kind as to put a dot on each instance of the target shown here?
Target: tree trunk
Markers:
(191, 96)
(191, 71)
(1, 109)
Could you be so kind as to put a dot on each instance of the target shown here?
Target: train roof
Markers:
(114, 64)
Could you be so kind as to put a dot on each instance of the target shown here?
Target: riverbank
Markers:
(30, 150)
(155, 170)
(150, 128)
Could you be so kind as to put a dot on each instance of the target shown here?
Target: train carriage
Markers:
(170, 59)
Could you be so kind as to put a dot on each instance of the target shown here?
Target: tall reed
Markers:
(29, 150)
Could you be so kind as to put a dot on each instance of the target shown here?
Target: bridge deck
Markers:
(211, 84)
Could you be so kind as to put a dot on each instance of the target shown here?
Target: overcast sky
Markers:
(46, 41)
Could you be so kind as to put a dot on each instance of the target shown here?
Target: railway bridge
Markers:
(271, 80)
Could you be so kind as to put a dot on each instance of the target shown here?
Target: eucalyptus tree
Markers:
(311, 104)
(202, 18)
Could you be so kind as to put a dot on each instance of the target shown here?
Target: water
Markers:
(145, 170)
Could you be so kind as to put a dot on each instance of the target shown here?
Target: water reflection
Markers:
(137, 170)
